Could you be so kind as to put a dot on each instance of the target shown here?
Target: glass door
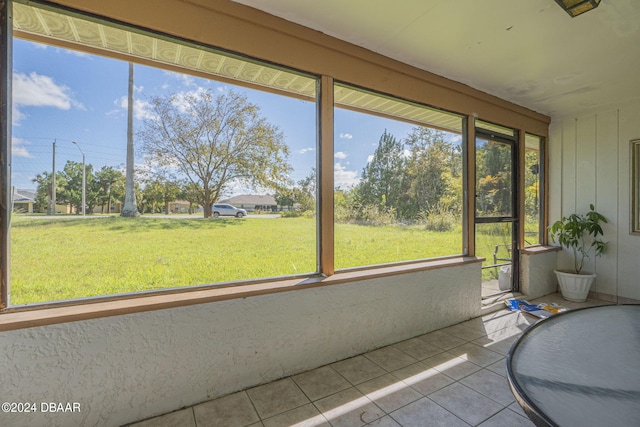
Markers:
(496, 215)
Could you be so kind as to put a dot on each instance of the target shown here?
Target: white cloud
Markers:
(18, 147)
(456, 139)
(16, 115)
(180, 99)
(185, 79)
(340, 155)
(78, 53)
(346, 136)
(344, 178)
(141, 109)
(306, 150)
(370, 158)
(35, 90)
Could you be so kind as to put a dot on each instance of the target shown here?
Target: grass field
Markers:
(74, 257)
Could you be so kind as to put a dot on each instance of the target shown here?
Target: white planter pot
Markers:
(574, 287)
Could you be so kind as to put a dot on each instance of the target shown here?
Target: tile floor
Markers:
(450, 377)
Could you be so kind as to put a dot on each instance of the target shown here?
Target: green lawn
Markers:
(74, 257)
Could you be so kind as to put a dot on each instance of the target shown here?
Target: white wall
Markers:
(126, 368)
(589, 156)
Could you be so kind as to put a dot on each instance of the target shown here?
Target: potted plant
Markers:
(580, 234)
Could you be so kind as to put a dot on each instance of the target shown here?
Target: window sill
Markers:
(534, 250)
(32, 316)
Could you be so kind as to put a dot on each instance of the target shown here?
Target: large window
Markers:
(145, 162)
(398, 180)
(224, 159)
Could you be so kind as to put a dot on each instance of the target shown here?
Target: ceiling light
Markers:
(577, 7)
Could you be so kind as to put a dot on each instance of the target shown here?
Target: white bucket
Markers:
(504, 279)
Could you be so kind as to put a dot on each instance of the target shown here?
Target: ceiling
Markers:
(529, 52)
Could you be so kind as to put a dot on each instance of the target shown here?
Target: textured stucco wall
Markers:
(126, 368)
(537, 276)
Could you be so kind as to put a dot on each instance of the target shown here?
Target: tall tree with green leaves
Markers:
(43, 191)
(190, 192)
(429, 166)
(70, 191)
(109, 180)
(383, 177)
(130, 208)
(214, 141)
(494, 178)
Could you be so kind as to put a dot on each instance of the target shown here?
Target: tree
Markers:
(285, 196)
(43, 191)
(429, 166)
(303, 193)
(494, 179)
(130, 208)
(110, 181)
(214, 141)
(191, 193)
(382, 178)
(70, 186)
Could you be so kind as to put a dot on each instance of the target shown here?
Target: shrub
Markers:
(438, 219)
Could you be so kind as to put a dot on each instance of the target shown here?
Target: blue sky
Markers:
(62, 95)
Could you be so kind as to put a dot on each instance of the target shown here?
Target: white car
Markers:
(220, 209)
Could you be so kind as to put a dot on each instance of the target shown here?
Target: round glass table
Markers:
(580, 368)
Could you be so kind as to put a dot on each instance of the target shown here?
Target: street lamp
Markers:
(84, 178)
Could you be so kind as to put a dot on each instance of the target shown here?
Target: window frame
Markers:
(5, 301)
(466, 100)
(464, 144)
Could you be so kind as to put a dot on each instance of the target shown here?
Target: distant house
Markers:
(253, 202)
(23, 200)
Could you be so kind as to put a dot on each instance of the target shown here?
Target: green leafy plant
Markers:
(580, 234)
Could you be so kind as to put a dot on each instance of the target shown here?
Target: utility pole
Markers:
(130, 208)
(84, 179)
(53, 182)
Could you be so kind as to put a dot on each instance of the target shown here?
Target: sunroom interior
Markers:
(527, 77)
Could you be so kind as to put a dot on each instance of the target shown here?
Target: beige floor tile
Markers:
(234, 410)
(388, 392)
(425, 412)
(358, 369)
(465, 403)
(321, 382)
(442, 339)
(390, 358)
(182, 418)
(476, 354)
(277, 397)
(452, 365)
(490, 384)
(304, 416)
(348, 408)
(507, 418)
(507, 319)
(385, 421)
(418, 348)
(515, 407)
(423, 378)
(499, 367)
(464, 333)
(499, 343)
